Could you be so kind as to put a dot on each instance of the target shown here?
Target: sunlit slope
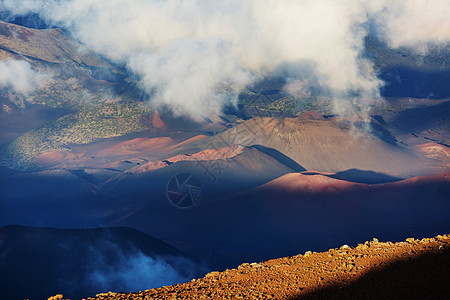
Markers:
(324, 145)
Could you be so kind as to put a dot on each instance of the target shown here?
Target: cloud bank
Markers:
(19, 76)
(195, 56)
(413, 23)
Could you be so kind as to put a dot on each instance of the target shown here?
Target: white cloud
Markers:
(19, 76)
(412, 23)
(196, 55)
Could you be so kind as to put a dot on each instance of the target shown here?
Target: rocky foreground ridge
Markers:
(413, 269)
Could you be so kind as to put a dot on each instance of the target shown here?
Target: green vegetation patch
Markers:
(92, 122)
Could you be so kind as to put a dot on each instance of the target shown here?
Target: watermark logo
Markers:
(184, 190)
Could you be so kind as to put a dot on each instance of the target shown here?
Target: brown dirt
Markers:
(157, 122)
(106, 154)
(294, 183)
(301, 184)
(415, 269)
(205, 155)
(197, 138)
(137, 146)
(311, 115)
(53, 158)
(325, 145)
(50, 45)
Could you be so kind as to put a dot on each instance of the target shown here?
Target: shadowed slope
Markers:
(38, 262)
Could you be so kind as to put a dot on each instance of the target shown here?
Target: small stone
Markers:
(362, 247)
(243, 265)
(344, 247)
(308, 253)
(410, 240)
(211, 274)
(375, 240)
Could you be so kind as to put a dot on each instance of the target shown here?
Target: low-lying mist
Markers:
(135, 272)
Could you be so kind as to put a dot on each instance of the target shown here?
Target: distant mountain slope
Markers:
(417, 121)
(324, 145)
(409, 73)
(38, 262)
(222, 172)
(30, 20)
(47, 45)
(314, 184)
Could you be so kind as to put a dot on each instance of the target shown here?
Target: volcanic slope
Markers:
(415, 269)
(226, 170)
(43, 45)
(325, 145)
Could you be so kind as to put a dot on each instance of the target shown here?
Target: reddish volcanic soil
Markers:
(297, 182)
(415, 269)
(193, 139)
(53, 158)
(326, 145)
(157, 122)
(311, 115)
(205, 155)
(84, 155)
(136, 146)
